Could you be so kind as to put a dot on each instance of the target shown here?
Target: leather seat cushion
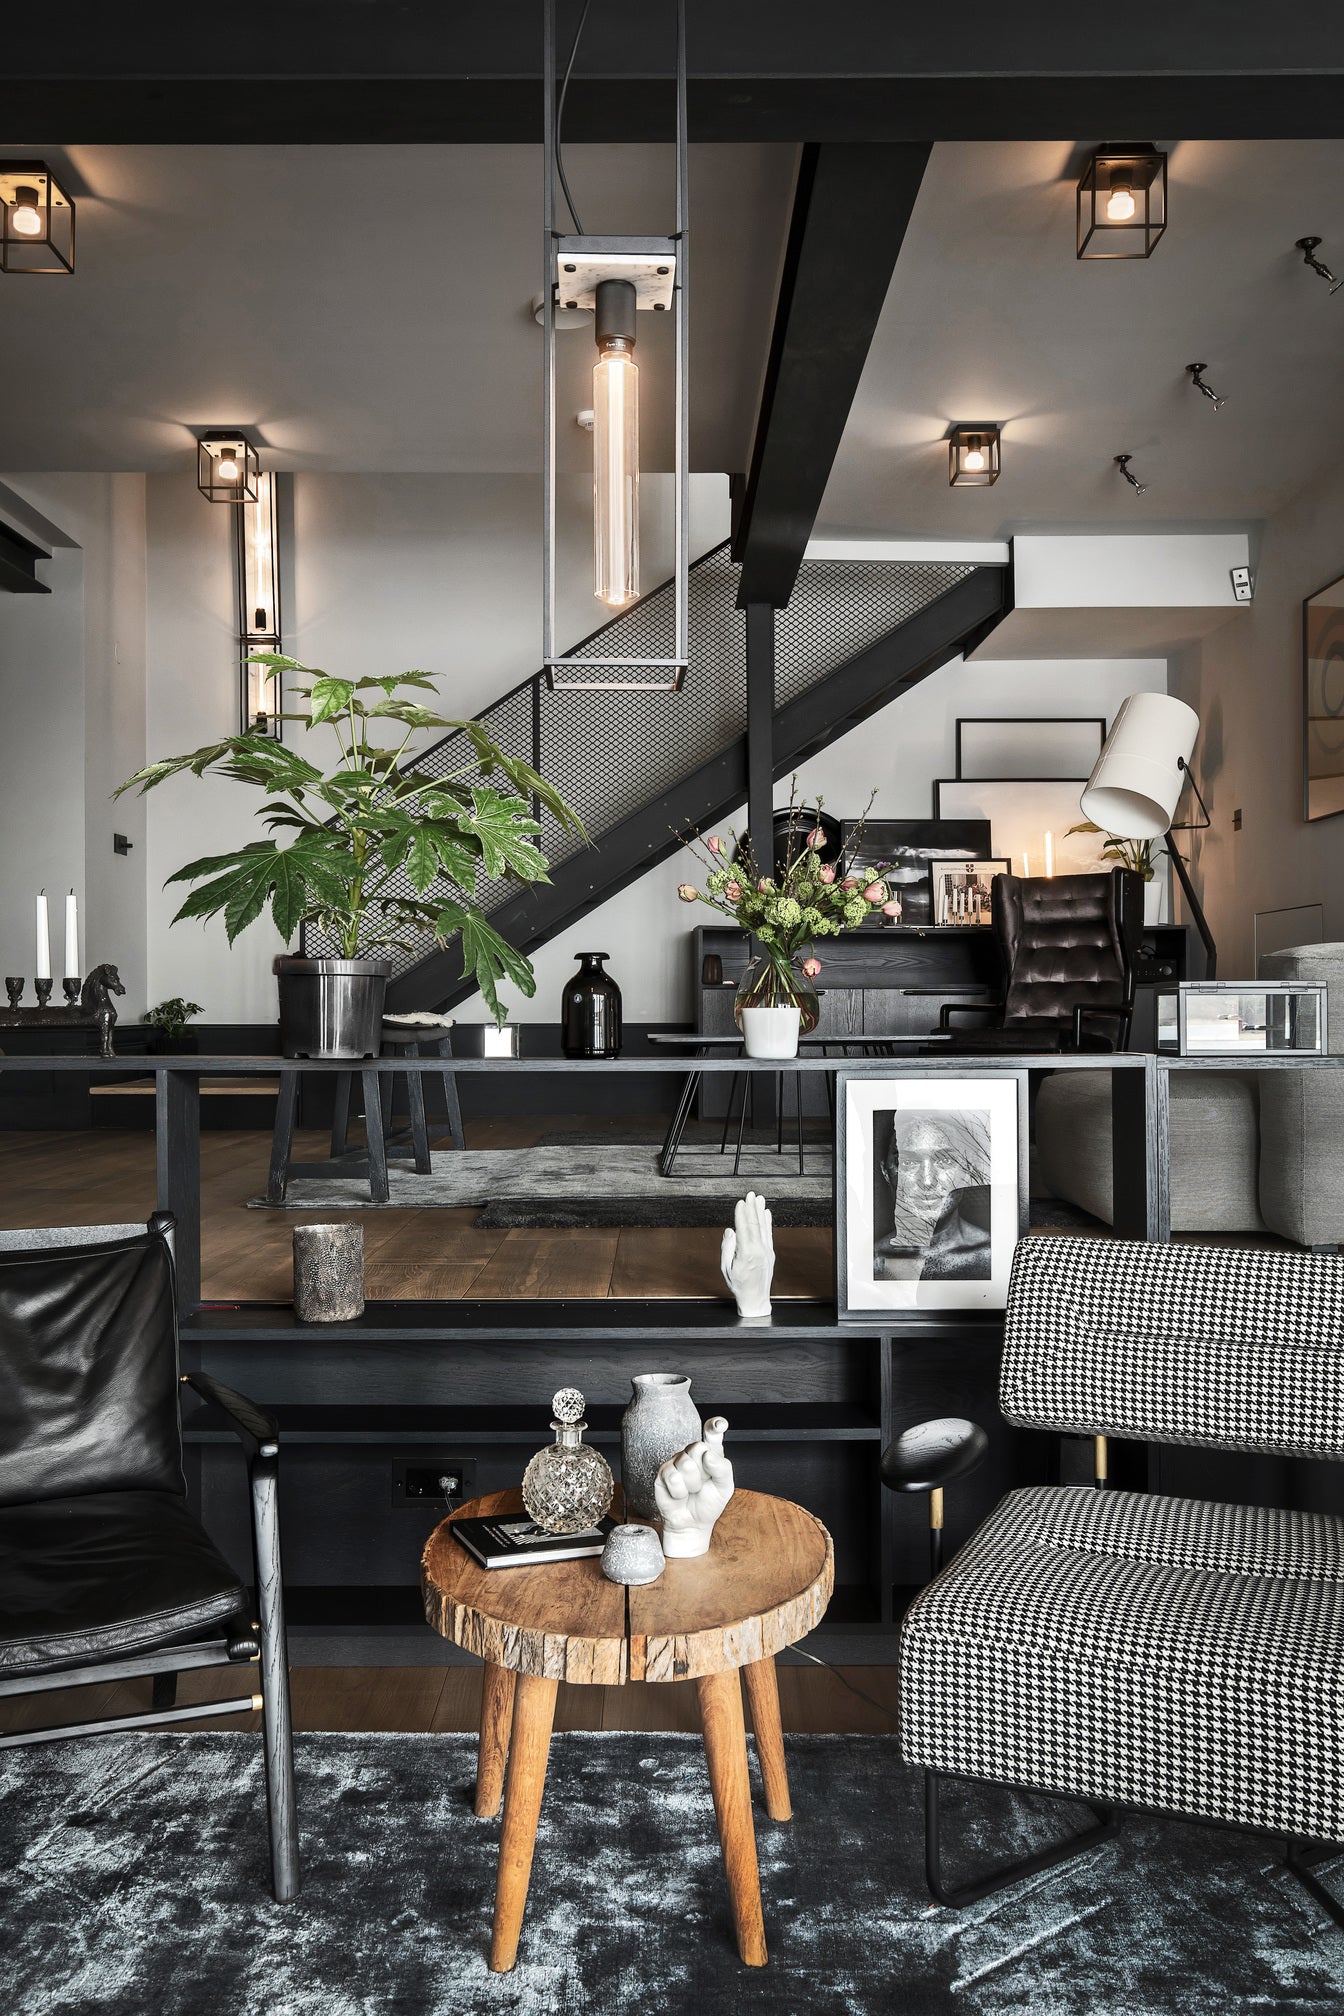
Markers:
(88, 1578)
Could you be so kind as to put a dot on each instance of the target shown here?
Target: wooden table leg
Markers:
(529, 1748)
(763, 1698)
(493, 1749)
(726, 1752)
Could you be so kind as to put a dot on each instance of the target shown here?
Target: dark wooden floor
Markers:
(107, 1174)
(840, 1700)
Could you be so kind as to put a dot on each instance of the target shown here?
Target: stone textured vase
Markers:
(661, 1421)
(328, 1273)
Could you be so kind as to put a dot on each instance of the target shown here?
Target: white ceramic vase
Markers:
(771, 1032)
(1155, 899)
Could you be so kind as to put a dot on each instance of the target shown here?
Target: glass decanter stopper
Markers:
(568, 1485)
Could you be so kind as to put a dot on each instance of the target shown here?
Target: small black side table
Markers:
(385, 1140)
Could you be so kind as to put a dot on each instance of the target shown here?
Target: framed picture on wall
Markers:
(959, 890)
(1035, 746)
(1030, 819)
(900, 850)
(1323, 702)
(931, 1189)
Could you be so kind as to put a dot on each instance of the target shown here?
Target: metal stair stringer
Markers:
(818, 716)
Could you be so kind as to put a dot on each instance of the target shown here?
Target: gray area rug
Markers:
(588, 1183)
(133, 1882)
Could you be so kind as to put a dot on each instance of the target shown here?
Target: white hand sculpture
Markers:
(747, 1257)
(691, 1491)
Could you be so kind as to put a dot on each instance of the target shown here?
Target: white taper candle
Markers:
(43, 967)
(71, 937)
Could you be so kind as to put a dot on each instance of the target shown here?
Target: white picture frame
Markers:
(959, 891)
(946, 1242)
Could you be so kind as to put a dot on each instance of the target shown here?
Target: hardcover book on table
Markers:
(512, 1540)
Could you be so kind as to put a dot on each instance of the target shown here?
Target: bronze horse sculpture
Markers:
(96, 1004)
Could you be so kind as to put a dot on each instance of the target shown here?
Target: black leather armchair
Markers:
(1068, 945)
(105, 1574)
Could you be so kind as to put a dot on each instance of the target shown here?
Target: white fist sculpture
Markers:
(691, 1491)
(747, 1257)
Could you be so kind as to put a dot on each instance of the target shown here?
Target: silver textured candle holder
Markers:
(328, 1273)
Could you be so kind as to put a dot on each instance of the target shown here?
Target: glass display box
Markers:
(1234, 1018)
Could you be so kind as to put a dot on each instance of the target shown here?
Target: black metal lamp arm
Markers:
(1193, 904)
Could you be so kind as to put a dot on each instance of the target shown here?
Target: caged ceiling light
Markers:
(37, 220)
(256, 539)
(226, 466)
(1122, 202)
(617, 278)
(973, 457)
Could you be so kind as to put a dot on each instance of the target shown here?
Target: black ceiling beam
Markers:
(851, 206)
(18, 563)
(223, 108)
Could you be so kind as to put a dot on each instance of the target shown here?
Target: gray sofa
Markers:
(1250, 1151)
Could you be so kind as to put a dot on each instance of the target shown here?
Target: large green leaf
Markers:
(328, 697)
(500, 824)
(487, 956)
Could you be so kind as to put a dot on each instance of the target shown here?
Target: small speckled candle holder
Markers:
(328, 1273)
(633, 1555)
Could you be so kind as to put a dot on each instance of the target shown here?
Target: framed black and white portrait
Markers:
(931, 1189)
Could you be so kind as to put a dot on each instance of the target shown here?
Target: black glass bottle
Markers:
(590, 1011)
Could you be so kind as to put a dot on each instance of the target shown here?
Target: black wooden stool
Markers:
(411, 1037)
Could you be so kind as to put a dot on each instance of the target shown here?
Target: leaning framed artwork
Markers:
(960, 890)
(930, 1189)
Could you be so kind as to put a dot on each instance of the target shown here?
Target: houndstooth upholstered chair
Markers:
(1132, 1650)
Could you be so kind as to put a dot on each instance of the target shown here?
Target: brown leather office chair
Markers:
(1068, 945)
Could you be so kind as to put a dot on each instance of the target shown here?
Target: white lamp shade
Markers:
(1137, 779)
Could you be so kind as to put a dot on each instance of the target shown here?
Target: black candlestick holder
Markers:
(89, 1004)
(14, 986)
(42, 988)
(70, 987)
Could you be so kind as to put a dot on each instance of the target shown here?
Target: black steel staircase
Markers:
(643, 769)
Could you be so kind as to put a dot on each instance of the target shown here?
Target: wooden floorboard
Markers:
(839, 1700)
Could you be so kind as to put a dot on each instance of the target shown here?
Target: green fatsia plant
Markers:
(339, 838)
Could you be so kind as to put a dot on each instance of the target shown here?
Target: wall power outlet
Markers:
(430, 1481)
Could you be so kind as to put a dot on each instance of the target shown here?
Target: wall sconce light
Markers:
(1307, 247)
(226, 466)
(257, 559)
(973, 457)
(1123, 462)
(1122, 203)
(37, 220)
(616, 277)
(1197, 380)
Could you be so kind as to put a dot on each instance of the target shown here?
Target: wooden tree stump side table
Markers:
(764, 1584)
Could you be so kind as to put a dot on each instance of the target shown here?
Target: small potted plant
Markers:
(785, 912)
(373, 854)
(1135, 854)
(169, 1022)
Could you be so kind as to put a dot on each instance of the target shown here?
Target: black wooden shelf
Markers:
(821, 1421)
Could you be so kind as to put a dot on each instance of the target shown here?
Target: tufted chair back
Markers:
(1067, 941)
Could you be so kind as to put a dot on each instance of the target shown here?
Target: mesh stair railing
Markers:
(612, 753)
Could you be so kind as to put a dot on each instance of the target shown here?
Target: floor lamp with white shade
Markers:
(1136, 784)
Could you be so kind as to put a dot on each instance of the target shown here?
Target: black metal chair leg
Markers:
(672, 1139)
(1298, 1861)
(736, 1084)
(373, 1127)
(340, 1115)
(277, 1729)
(971, 1893)
(282, 1138)
(415, 1100)
(164, 1691)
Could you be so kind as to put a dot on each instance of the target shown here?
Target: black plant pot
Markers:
(590, 1011)
(331, 1007)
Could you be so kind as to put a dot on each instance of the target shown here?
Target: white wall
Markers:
(1245, 683)
(72, 684)
(898, 751)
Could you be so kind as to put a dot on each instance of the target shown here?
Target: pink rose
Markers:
(714, 844)
(811, 967)
(816, 839)
(733, 891)
(688, 892)
(874, 893)
(826, 875)
(763, 886)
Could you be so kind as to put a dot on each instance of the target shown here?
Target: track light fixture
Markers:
(1197, 380)
(1307, 247)
(1123, 462)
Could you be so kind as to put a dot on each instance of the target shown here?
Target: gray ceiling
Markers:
(991, 317)
(367, 308)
